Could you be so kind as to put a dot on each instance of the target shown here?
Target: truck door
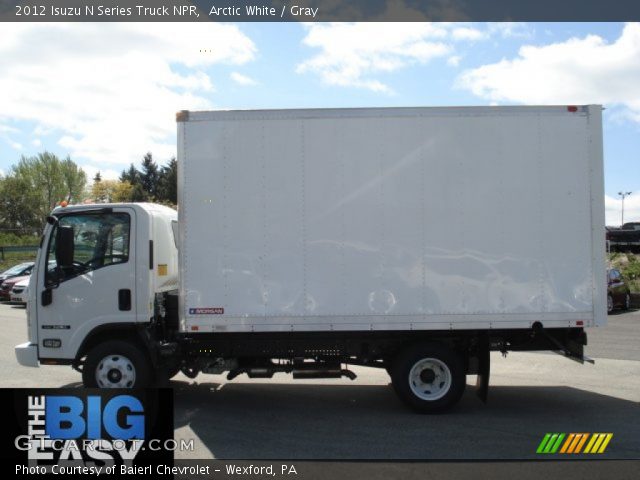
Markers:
(97, 287)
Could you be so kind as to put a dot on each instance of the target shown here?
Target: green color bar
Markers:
(555, 448)
(550, 443)
(543, 443)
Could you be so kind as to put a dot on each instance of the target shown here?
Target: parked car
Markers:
(17, 271)
(7, 286)
(618, 293)
(20, 291)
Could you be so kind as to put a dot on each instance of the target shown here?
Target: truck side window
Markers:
(100, 240)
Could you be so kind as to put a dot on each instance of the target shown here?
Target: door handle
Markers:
(47, 297)
(124, 299)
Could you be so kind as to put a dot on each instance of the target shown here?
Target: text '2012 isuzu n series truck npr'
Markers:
(416, 240)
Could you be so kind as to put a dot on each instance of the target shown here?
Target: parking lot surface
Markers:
(530, 394)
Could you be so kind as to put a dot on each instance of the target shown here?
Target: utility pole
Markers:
(623, 195)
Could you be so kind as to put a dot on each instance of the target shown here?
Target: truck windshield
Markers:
(100, 240)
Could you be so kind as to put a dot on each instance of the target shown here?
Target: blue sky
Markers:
(107, 93)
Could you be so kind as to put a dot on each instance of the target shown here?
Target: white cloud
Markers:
(36, 142)
(355, 54)
(105, 173)
(613, 209)
(109, 91)
(352, 54)
(8, 129)
(468, 33)
(243, 80)
(454, 60)
(579, 70)
(13, 144)
(510, 29)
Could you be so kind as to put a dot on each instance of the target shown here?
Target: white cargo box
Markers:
(391, 219)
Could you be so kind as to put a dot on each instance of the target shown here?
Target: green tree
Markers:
(130, 175)
(133, 177)
(34, 186)
(152, 183)
(149, 176)
(108, 191)
(17, 206)
(168, 183)
(74, 180)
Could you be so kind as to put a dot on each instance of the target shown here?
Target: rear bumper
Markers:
(27, 354)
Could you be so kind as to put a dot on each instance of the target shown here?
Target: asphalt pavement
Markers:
(530, 394)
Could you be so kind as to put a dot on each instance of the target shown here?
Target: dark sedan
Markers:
(618, 293)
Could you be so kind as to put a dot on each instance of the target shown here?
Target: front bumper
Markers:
(27, 354)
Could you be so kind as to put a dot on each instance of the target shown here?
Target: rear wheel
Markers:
(429, 378)
(116, 364)
(609, 304)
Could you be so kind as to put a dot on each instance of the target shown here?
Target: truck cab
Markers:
(98, 271)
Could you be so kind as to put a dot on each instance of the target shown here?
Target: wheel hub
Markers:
(430, 379)
(115, 371)
(427, 376)
(114, 375)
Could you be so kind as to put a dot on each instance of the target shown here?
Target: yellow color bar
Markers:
(596, 445)
(591, 442)
(606, 441)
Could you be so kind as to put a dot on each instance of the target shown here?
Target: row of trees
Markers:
(35, 185)
(149, 184)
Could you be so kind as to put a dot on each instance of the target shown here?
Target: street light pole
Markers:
(623, 195)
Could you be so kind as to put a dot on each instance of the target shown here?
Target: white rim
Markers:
(115, 371)
(609, 304)
(627, 301)
(430, 379)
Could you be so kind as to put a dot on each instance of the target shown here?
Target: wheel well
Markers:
(126, 332)
(462, 346)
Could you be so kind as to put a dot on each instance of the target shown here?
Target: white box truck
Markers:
(415, 240)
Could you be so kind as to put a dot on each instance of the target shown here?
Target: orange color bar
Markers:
(567, 443)
(575, 442)
(579, 446)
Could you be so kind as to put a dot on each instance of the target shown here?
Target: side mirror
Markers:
(64, 246)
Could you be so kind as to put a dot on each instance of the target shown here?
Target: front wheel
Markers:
(609, 304)
(116, 364)
(429, 378)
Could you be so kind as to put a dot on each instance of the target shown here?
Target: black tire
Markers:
(440, 365)
(126, 359)
(610, 306)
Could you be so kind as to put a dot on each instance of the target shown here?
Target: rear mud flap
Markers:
(484, 368)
